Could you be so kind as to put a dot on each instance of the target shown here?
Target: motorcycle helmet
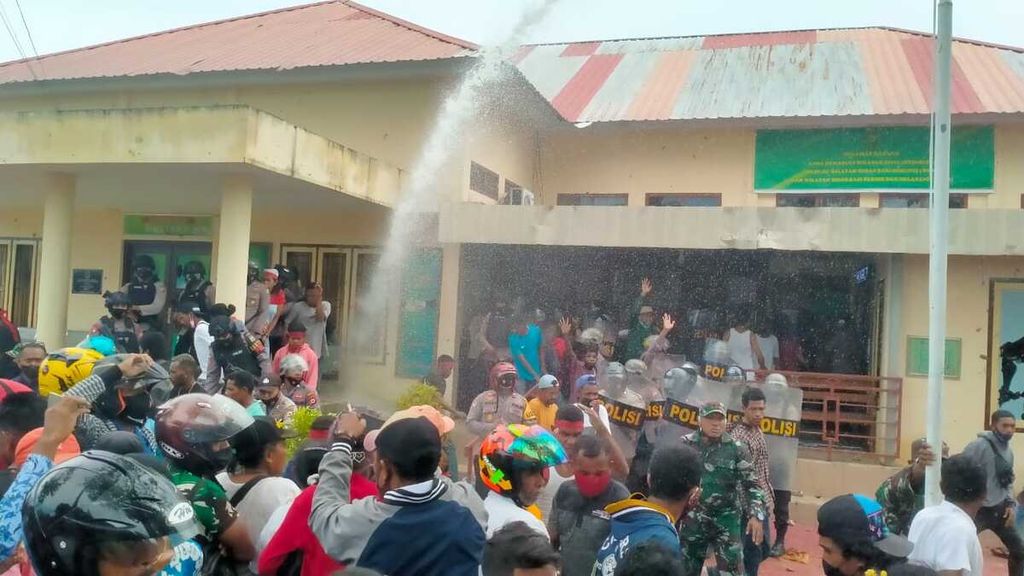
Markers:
(194, 271)
(509, 451)
(64, 368)
(502, 370)
(154, 374)
(188, 427)
(97, 504)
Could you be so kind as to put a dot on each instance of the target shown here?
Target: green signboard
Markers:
(917, 357)
(140, 225)
(872, 158)
(420, 309)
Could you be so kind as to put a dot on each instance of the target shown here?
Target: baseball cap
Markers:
(854, 517)
(710, 408)
(547, 381)
(586, 380)
(260, 434)
(442, 423)
(411, 445)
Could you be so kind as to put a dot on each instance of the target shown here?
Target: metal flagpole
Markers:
(939, 227)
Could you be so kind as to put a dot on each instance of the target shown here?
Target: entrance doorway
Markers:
(345, 275)
(18, 269)
(170, 259)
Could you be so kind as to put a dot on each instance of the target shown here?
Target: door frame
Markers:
(9, 273)
(351, 252)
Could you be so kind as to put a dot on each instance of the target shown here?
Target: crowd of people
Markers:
(117, 464)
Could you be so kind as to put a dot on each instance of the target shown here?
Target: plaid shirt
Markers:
(754, 439)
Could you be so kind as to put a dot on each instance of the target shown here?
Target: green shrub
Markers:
(302, 423)
(419, 394)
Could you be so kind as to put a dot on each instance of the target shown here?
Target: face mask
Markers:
(220, 459)
(144, 274)
(136, 407)
(592, 485)
(118, 313)
(830, 570)
(1004, 437)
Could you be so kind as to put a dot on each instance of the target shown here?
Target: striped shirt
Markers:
(754, 439)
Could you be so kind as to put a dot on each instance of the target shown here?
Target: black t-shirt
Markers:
(582, 524)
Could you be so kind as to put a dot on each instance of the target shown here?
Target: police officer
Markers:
(716, 522)
(118, 324)
(257, 301)
(198, 289)
(146, 293)
(230, 351)
(499, 405)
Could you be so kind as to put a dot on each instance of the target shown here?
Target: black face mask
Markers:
(144, 274)
(829, 570)
(136, 407)
(118, 313)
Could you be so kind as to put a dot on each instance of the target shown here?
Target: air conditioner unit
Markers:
(518, 197)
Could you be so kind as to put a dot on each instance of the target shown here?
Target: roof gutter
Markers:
(444, 68)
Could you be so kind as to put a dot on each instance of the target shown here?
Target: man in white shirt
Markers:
(769, 345)
(944, 536)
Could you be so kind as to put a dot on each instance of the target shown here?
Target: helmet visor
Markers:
(204, 418)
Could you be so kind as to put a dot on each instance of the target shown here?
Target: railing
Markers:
(847, 416)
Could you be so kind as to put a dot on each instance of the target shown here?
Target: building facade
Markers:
(779, 174)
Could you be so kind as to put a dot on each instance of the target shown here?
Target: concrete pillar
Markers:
(448, 308)
(55, 260)
(233, 241)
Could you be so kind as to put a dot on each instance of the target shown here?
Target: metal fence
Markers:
(848, 417)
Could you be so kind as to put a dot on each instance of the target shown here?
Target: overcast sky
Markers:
(64, 24)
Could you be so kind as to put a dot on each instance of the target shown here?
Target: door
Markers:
(170, 259)
(18, 275)
(344, 275)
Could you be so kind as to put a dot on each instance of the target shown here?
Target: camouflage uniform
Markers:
(901, 500)
(718, 519)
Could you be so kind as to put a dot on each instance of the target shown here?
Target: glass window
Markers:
(592, 199)
(817, 200)
(686, 200)
(919, 201)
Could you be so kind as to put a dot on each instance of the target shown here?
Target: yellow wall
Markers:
(600, 160)
(968, 319)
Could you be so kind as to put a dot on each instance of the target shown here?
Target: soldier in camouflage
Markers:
(901, 495)
(716, 522)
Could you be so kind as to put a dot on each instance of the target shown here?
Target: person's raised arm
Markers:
(645, 289)
(756, 347)
(617, 459)
(332, 516)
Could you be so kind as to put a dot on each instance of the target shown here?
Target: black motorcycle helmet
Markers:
(144, 267)
(194, 271)
(99, 506)
(221, 327)
(190, 428)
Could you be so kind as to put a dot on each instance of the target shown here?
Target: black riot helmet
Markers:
(116, 300)
(194, 271)
(97, 506)
(144, 268)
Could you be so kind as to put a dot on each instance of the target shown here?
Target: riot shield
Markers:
(681, 411)
(781, 427)
(626, 407)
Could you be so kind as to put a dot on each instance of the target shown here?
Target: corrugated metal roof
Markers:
(332, 33)
(864, 71)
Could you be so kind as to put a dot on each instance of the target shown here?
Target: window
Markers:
(817, 200)
(918, 201)
(483, 180)
(17, 279)
(592, 199)
(687, 200)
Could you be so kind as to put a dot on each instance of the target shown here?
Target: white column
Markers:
(448, 310)
(55, 260)
(233, 241)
